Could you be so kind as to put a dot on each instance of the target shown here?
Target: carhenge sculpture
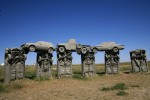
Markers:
(138, 60)
(111, 56)
(14, 64)
(44, 52)
(15, 60)
(87, 60)
(64, 58)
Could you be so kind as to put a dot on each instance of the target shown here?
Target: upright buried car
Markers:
(40, 46)
(107, 46)
(14, 55)
(83, 49)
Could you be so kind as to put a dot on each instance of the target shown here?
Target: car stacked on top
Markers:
(40, 46)
(108, 46)
(71, 45)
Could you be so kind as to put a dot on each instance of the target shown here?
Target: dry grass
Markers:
(138, 87)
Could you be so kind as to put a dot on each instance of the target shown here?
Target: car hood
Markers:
(40, 42)
(108, 44)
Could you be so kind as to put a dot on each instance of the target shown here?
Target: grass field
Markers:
(122, 86)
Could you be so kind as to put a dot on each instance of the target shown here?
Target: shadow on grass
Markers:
(121, 93)
(1, 80)
(79, 77)
(42, 79)
(105, 89)
(30, 75)
(118, 86)
(100, 73)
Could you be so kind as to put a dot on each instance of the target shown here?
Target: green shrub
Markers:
(121, 93)
(2, 88)
(30, 72)
(105, 89)
(30, 75)
(42, 79)
(1, 73)
(119, 86)
(17, 85)
(7, 88)
(79, 77)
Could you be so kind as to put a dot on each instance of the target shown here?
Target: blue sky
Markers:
(88, 21)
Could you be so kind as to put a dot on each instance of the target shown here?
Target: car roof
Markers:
(108, 44)
(45, 43)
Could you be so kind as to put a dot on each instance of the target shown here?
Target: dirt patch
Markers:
(89, 89)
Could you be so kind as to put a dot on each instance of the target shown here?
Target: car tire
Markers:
(50, 50)
(107, 56)
(95, 50)
(133, 56)
(61, 49)
(8, 57)
(84, 50)
(115, 49)
(39, 59)
(32, 48)
(79, 46)
(6, 51)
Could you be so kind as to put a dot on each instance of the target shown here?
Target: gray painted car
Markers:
(106, 46)
(69, 46)
(138, 53)
(40, 46)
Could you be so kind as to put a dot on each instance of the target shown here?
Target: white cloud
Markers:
(2, 64)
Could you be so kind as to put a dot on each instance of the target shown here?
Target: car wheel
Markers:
(95, 50)
(106, 56)
(8, 57)
(115, 49)
(39, 59)
(6, 51)
(79, 46)
(50, 50)
(133, 56)
(84, 50)
(32, 48)
(61, 49)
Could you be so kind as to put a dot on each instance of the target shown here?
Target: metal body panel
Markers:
(64, 64)
(111, 62)
(108, 46)
(40, 46)
(14, 64)
(64, 58)
(87, 60)
(69, 46)
(88, 64)
(43, 64)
